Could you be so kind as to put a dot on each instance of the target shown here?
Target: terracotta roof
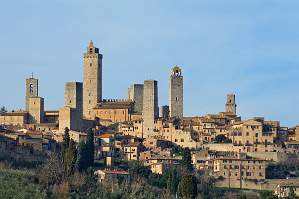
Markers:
(116, 172)
(105, 135)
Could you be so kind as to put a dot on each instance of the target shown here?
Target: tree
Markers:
(205, 184)
(66, 138)
(3, 109)
(70, 157)
(188, 187)
(186, 161)
(173, 181)
(54, 170)
(292, 194)
(81, 163)
(90, 147)
(222, 139)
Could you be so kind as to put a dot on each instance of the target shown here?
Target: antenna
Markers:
(32, 75)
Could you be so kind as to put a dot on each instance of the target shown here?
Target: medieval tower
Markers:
(135, 94)
(230, 105)
(176, 93)
(150, 110)
(70, 115)
(92, 80)
(31, 90)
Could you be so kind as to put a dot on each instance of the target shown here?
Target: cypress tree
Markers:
(81, 163)
(186, 161)
(90, 147)
(188, 187)
(66, 138)
(70, 157)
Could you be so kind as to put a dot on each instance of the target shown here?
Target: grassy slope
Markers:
(16, 184)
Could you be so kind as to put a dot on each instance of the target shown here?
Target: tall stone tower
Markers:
(31, 90)
(70, 115)
(135, 93)
(176, 93)
(92, 80)
(73, 96)
(36, 110)
(150, 106)
(230, 105)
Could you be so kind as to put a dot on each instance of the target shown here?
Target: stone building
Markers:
(230, 105)
(51, 116)
(131, 151)
(73, 95)
(114, 110)
(150, 106)
(170, 131)
(254, 135)
(135, 94)
(14, 118)
(31, 90)
(70, 115)
(176, 93)
(92, 80)
(297, 133)
(239, 166)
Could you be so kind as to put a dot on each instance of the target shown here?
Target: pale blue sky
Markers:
(249, 47)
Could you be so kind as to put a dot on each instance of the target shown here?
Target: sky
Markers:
(247, 47)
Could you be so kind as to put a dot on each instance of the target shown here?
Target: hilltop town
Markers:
(236, 153)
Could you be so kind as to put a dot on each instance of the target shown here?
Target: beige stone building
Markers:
(14, 118)
(167, 130)
(254, 135)
(239, 167)
(114, 110)
(51, 116)
(297, 133)
(132, 128)
(202, 160)
(77, 136)
(131, 151)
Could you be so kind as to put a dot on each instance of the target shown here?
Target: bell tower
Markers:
(176, 93)
(230, 105)
(31, 90)
(92, 80)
